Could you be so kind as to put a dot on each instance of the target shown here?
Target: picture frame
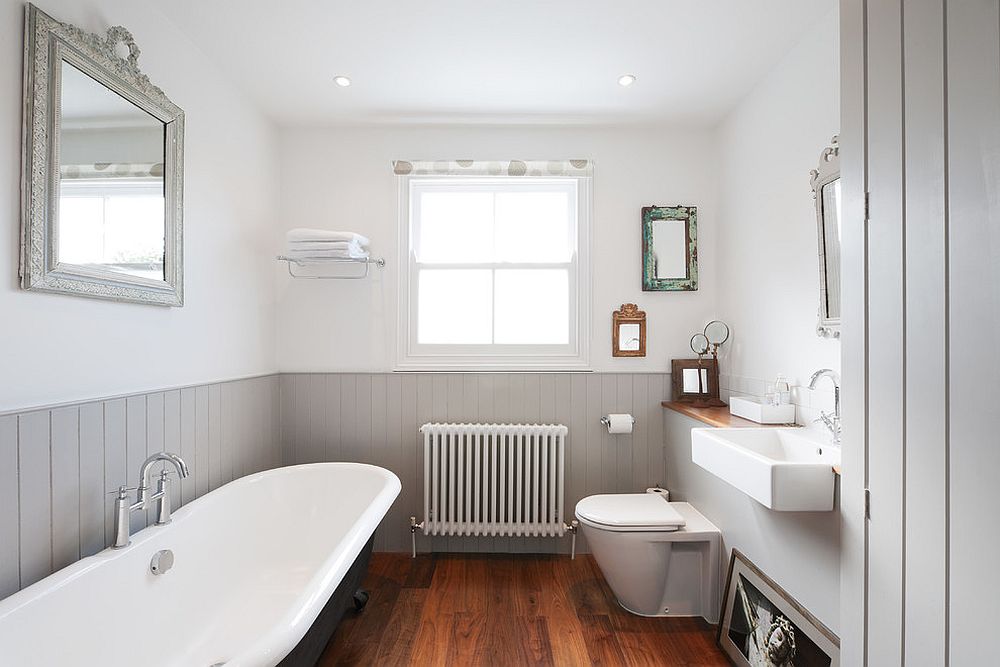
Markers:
(761, 625)
(628, 331)
(669, 248)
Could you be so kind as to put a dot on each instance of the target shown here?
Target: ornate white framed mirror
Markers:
(825, 181)
(102, 169)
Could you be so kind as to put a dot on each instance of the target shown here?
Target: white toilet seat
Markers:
(629, 512)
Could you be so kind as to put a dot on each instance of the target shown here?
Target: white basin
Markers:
(781, 468)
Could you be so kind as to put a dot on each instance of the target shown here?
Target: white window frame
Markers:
(412, 355)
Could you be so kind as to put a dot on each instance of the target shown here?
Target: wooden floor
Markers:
(478, 609)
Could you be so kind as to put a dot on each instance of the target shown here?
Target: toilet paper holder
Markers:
(607, 422)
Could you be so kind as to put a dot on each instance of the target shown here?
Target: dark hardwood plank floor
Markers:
(507, 609)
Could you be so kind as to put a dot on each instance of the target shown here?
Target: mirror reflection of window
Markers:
(831, 246)
(111, 187)
(116, 225)
(691, 381)
(670, 248)
(628, 337)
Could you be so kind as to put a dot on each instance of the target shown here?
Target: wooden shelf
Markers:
(717, 417)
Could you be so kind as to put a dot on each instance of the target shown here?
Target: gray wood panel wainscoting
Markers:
(374, 417)
(58, 464)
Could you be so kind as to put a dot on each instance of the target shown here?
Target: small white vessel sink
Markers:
(781, 468)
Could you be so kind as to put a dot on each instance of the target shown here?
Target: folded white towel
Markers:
(300, 234)
(323, 245)
(352, 252)
(327, 249)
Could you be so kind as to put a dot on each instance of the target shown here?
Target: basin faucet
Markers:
(832, 422)
(124, 509)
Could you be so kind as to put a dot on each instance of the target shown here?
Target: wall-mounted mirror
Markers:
(669, 248)
(628, 331)
(103, 155)
(825, 181)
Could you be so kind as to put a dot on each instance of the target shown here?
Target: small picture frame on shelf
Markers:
(761, 625)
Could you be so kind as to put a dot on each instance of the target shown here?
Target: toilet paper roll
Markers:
(620, 423)
(659, 491)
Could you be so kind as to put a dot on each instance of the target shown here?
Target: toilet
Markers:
(660, 558)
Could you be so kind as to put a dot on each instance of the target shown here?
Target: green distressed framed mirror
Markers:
(669, 248)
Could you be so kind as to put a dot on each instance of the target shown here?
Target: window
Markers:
(496, 272)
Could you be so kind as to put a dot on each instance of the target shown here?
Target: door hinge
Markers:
(866, 206)
(868, 504)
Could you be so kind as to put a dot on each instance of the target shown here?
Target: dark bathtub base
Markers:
(309, 650)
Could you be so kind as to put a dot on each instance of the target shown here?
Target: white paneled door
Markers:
(921, 143)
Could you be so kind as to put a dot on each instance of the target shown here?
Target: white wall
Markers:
(768, 293)
(57, 348)
(341, 179)
(767, 251)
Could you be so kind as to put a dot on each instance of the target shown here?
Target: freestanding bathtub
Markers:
(255, 563)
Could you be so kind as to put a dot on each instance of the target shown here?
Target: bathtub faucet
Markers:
(124, 509)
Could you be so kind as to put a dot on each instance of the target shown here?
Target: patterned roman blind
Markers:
(529, 168)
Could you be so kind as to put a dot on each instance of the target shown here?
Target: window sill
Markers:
(443, 368)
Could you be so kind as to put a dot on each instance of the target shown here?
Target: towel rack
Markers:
(305, 261)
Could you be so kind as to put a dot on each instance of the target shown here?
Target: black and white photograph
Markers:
(763, 626)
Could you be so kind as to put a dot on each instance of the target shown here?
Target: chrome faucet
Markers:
(832, 422)
(124, 509)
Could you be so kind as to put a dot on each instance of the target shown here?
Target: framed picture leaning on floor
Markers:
(761, 625)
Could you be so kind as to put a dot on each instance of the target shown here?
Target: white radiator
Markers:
(494, 479)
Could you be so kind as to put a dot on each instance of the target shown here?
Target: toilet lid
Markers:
(629, 509)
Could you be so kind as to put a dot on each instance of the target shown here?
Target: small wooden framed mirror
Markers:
(688, 387)
(628, 331)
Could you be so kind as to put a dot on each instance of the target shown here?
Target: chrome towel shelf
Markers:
(320, 261)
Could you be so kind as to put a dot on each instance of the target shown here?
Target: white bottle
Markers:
(782, 390)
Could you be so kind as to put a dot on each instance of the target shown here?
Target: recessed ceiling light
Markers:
(342, 81)
(626, 80)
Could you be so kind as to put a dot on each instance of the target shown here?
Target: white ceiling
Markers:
(496, 60)
(86, 102)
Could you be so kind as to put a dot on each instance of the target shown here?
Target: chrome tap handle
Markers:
(832, 423)
(163, 496)
(123, 510)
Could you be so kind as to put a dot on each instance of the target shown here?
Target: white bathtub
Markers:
(255, 562)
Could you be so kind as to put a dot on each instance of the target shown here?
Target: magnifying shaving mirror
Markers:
(717, 333)
(699, 344)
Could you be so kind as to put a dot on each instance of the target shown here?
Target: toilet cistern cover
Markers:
(630, 509)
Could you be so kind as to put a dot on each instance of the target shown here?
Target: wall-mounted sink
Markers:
(781, 468)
